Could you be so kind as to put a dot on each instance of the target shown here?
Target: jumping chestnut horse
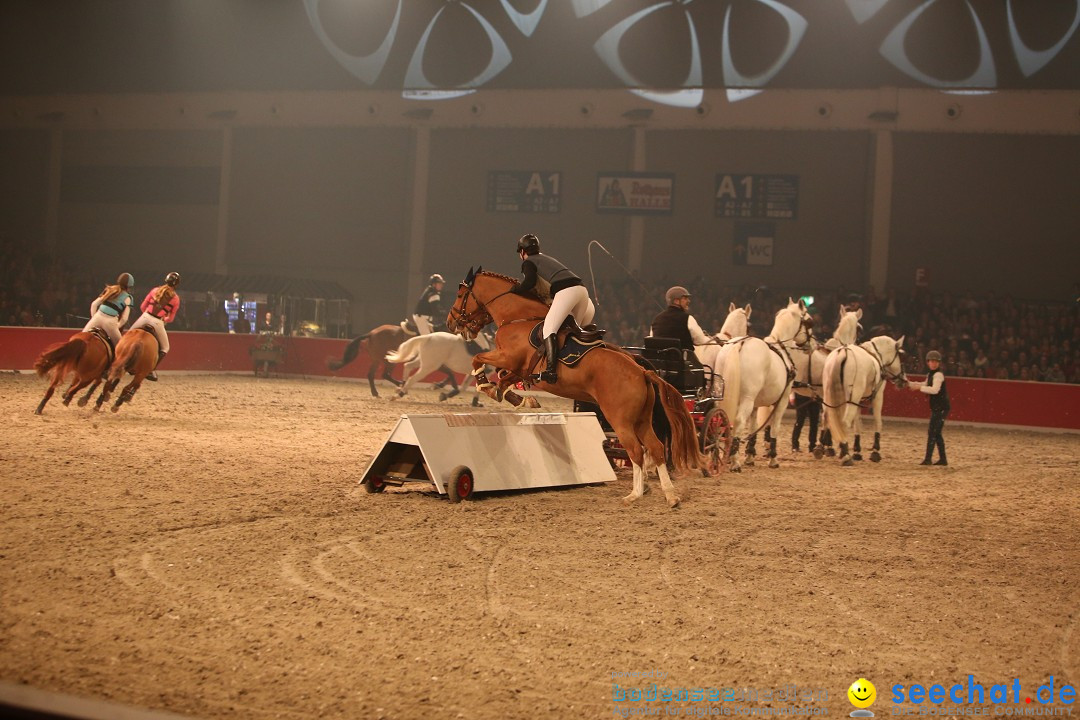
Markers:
(84, 354)
(607, 376)
(136, 353)
(380, 341)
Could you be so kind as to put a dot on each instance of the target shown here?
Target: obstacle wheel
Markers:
(374, 484)
(460, 484)
(715, 440)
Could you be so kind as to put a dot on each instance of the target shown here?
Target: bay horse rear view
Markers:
(377, 342)
(606, 376)
(136, 353)
(85, 354)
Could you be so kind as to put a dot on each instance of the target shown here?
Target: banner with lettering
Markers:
(753, 244)
(634, 193)
(529, 191)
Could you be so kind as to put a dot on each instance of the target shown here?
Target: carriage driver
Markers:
(557, 284)
(677, 322)
(159, 308)
(112, 307)
(429, 306)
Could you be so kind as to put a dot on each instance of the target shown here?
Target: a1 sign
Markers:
(922, 277)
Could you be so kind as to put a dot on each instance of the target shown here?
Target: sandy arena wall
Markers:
(998, 402)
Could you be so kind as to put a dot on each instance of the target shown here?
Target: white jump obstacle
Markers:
(463, 453)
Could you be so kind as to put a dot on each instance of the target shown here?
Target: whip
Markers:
(625, 269)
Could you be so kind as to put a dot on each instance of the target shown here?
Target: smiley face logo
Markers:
(862, 693)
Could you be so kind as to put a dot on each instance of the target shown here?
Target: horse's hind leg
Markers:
(89, 393)
(106, 392)
(655, 457)
(127, 394)
(387, 374)
(451, 381)
(75, 387)
(48, 394)
(371, 380)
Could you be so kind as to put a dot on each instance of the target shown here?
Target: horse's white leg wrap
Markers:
(639, 484)
(666, 485)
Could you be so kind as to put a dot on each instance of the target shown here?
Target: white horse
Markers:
(758, 374)
(735, 325)
(854, 378)
(810, 360)
(424, 354)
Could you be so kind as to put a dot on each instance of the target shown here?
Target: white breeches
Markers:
(157, 325)
(423, 324)
(570, 301)
(108, 323)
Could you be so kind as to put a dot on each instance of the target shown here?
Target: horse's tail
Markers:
(834, 395)
(407, 350)
(127, 354)
(66, 352)
(685, 453)
(351, 351)
(728, 364)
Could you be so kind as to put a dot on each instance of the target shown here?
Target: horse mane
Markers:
(511, 280)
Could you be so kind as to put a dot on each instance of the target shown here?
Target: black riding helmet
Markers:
(172, 279)
(126, 281)
(529, 243)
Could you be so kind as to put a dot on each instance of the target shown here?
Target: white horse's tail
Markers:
(407, 350)
(834, 394)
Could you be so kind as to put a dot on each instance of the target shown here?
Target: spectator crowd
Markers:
(992, 336)
(995, 336)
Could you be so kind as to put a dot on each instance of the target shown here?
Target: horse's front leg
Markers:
(497, 392)
(506, 379)
(879, 400)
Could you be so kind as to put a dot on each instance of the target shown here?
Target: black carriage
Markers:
(702, 396)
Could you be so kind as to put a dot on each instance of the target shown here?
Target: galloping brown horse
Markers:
(607, 376)
(136, 353)
(380, 341)
(84, 354)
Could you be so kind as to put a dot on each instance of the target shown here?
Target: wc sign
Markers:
(754, 244)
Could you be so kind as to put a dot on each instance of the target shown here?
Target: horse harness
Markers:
(883, 375)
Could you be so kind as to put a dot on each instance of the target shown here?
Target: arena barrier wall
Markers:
(997, 402)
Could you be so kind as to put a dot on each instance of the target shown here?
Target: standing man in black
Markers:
(939, 407)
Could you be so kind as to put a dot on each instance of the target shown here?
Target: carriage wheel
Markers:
(460, 485)
(715, 440)
(374, 484)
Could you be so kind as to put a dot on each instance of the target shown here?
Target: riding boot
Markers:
(152, 376)
(929, 453)
(941, 452)
(551, 351)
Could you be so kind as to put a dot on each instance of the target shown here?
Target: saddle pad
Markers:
(572, 349)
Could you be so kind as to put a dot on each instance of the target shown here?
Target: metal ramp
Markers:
(463, 453)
